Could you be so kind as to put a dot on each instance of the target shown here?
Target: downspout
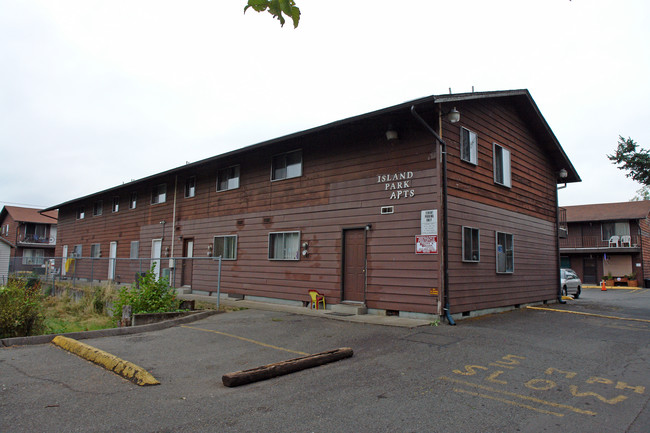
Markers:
(445, 231)
(173, 260)
(557, 247)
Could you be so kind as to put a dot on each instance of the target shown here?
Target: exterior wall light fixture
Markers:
(391, 134)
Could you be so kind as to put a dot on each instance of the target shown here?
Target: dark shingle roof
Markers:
(629, 210)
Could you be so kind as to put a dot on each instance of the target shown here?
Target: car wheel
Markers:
(577, 295)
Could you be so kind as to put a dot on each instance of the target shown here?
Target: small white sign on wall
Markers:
(429, 222)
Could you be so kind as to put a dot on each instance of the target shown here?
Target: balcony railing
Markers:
(36, 239)
(597, 242)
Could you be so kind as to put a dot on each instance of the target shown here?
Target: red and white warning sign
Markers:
(426, 244)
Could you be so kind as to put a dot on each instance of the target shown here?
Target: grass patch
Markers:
(64, 314)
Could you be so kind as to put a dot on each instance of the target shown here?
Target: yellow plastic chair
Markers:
(316, 298)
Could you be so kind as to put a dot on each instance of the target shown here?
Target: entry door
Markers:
(354, 265)
(589, 270)
(156, 252)
(188, 252)
(112, 254)
(64, 259)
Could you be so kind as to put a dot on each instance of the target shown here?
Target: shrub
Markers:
(146, 296)
(20, 308)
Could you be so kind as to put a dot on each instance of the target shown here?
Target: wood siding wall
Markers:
(339, 189)
(475, 286)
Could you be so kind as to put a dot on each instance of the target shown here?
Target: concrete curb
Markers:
(110, 332)
(127, 370)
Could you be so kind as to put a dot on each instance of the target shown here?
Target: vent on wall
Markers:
(385, 210)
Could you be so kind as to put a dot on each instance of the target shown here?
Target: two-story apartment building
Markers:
(32, 233)
(371, 210)
(608, 238)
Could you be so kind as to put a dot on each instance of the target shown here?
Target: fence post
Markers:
(219, 284)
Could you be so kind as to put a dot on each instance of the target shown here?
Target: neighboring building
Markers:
(608, 238)
(33, 235)
(341, 208)
(5, 254)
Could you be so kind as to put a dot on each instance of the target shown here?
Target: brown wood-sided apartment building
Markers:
(355, 209)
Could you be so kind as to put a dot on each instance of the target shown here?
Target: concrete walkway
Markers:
(371, 319)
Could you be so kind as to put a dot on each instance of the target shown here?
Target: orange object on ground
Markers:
(603, 288)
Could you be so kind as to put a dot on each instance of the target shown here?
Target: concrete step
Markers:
(350, 308)
(184, 290)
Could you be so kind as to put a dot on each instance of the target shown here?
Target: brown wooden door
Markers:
(354, 265)
(186, 266)
(589, 270)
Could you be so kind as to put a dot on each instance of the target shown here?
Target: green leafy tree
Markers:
(633, 159)
(277, 8)
(642, 193)
(147, 296)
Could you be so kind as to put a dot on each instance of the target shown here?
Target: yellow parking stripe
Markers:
(524, 397)
(245, 339)
(503, 400)
(589, 314)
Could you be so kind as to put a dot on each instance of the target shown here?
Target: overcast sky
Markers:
(96, 93)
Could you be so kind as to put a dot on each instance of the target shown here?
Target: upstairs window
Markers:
(226, 247)
(116, 204)
(133, 201)
(505, 253)
(471, 246)
(468, 146)
(287, 165)
(98, 208)
(615, 228)
(284, 246)
(502, 171)
(159, 194)
(228, 178)
(190, 187)
(81, 213)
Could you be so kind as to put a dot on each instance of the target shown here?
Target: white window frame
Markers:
(135, 250)
(477, 239)
(33, 256)
(98, 208)
(286, 253)
(228, 178)
(95, 251)
(81, 213)
(506, 256)
(190, 187)
(116, 204)
(77, 251)
(472, 137)
(159, 194)
(133, 200)
(502, 166)
(281, 169)
(618, 228)
(224, 239)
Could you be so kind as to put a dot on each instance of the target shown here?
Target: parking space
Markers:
(527, 370)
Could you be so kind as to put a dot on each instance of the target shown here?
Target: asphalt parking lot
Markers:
(581, 366)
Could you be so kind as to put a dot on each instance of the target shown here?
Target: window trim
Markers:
(81, 213)
(95, 251)
(156, 195)
(36, 257)
(115, 207)
(506, 166)
(496, 250)
(190, 188)
(214, 246)
(225, 170)
(297, 258)
(473, 151)
(478, 244)
(273, 159)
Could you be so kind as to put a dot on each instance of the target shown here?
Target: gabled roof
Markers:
(628, 210)
(29, 215)
(520, 98)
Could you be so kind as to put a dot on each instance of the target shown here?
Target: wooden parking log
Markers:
(285, 367)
